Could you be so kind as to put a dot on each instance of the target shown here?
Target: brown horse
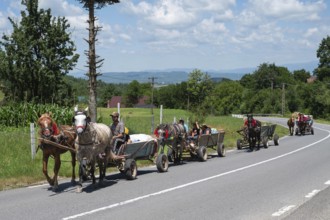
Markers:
(290, 124)
(63, 135)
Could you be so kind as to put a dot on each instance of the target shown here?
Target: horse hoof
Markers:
(54, 188)
(79, 189)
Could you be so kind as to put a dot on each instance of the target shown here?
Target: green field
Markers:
(17, 168)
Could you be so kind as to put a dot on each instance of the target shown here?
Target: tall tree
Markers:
(133, 93)
(323, 53)
(94, 61)
(199, 87)
(38, 54)
(301, 75)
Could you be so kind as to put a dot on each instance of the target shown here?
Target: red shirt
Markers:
(253, 122)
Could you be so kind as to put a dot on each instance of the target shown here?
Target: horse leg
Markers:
(45, 168)
(93, 172)
(258, 140)
(73, 163)
(251, 144)
(56, 170)
(81, 174)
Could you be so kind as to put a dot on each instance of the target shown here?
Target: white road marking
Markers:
(194, 182)
(313, 193)
(36, 186)
(327, 182)
(283, 210)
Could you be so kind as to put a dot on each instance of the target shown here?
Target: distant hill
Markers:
(173, 76)
(160, 77)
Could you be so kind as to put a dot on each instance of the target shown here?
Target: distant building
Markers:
(114, 102)
(142, 103)
(311, 79)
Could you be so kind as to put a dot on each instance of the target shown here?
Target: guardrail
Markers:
(256, 115)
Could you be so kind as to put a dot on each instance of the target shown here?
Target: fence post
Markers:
(33, 143)
(161, 115)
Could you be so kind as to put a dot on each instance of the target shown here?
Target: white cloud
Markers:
(3, 21)
(62, 8)
(311, 32)
(208, 5)
(289, 9)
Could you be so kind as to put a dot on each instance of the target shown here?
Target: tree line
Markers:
(37, 56)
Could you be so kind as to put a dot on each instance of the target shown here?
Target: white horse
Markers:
(93, 145)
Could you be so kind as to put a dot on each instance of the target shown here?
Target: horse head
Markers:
(80, 120)
(162, 131)
(47, 125)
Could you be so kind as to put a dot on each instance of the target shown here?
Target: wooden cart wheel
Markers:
(162, 163)
(130, 169)
(265, 142)
(221, 150)
(170, 155)
(276, 139)
(239, 144)
(202, 153)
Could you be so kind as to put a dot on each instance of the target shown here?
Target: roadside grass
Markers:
(17, 169)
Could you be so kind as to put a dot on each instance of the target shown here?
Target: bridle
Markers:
(49, 128)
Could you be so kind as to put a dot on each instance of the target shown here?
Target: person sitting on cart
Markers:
(118, 131)
(181, 121)
(310, 120)
(205, 129)
(302, 118)
(194, 133)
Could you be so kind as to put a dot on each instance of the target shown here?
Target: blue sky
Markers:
(203, 34)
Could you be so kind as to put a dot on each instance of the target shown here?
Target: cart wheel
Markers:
(221, 150)
(239, 144)
(170, 155)
(130, 169)
(312, 131)
(276, 139)
(162, 163)
(202, 153)
(265, 142)
(296, 131)
(121, 166)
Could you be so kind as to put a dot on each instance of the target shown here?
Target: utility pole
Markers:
(152, 103)
(283, 99)
(152, 93)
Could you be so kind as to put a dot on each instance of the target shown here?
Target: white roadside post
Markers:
(33, 143)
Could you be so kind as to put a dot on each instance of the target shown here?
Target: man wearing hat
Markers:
(118, 131)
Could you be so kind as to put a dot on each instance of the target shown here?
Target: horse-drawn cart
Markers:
(268, 133)
(214, 141)
(146, 149)
(304, 127)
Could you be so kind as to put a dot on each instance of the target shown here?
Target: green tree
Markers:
(323, 53)
(106, 92)
(227, 97)
(199, 86)
(301, 75)
(132, 94)
(38, 54)
(94, 62)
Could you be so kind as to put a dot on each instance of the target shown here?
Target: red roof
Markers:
(114, 102)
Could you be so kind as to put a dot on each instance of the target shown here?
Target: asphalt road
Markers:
(288, 181)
